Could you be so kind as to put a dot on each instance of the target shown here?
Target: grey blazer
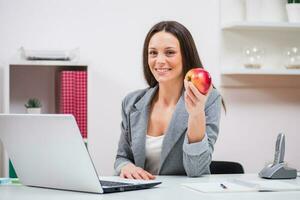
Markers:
(178, 157)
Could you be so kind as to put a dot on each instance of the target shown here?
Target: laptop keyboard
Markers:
(113, 183)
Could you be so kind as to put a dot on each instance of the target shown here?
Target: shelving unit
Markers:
(36, 79)
(39, 63)
(270, 71)
(274, 38)
(26, 79)
(281, 26)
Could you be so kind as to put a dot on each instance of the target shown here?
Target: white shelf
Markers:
(41, 78)
(274, 37)
(22, 62)
(262, 71)
(261, 26)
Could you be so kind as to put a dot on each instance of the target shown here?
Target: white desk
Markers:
(171, 188)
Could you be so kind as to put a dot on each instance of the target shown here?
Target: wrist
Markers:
(197, 115)
(196, 127)
(126, 165)
(193, 138)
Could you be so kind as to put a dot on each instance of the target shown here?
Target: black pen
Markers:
(223, 186)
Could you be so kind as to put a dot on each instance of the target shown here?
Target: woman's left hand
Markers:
(194, 100)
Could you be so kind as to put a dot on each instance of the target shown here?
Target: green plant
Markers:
(293, 1)
(33, 103)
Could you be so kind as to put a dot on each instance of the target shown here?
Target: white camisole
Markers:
(153, 153)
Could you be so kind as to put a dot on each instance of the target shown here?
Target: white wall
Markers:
(255, 116)
(110, 35)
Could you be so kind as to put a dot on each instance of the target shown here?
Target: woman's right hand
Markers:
(133, 172)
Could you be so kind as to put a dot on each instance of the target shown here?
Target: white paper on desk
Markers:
(216, 187)
(277, 185)
(237, 185)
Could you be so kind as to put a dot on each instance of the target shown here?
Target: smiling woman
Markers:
(165, 58)
(169, 128)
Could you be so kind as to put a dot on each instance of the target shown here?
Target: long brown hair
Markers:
(190, 56)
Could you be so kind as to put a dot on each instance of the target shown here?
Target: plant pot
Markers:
(293, 12)
(33, 110)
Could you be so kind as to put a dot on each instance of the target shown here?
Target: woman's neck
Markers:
(169, 94)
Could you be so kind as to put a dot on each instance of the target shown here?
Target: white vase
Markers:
(33, 110)
(293, 12)
(273, 10)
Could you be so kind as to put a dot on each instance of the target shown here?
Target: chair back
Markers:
(226, 167)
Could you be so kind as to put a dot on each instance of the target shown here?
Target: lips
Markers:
(162, 70)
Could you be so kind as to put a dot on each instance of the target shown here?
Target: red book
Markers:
(73, 97)
(67, 95)
(80, 106)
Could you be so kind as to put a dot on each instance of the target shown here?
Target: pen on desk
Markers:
(223, 186)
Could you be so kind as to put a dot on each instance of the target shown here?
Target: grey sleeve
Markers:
(124, 152)
(197, 156)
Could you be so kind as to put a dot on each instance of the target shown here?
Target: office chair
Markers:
(226, 167)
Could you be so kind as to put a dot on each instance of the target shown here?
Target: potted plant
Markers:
(33, 106)
(293, 11)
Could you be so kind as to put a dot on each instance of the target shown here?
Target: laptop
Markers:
(47, 151)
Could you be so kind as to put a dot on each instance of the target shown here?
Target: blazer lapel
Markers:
(139, 124)
(176, 128)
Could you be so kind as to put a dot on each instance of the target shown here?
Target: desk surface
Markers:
(171, 188)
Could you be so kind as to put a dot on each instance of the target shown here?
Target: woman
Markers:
(169, 128)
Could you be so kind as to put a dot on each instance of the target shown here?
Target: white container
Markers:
(253, 57)
(253, 10)
(293, 12)
(292, 57)
(273, 11)
(33, 110)
(232, 11)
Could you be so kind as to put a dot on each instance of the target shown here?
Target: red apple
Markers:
(200, 78)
